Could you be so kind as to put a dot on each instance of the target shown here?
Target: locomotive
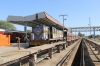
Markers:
(42, 34)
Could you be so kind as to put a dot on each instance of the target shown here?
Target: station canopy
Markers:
(38, 18)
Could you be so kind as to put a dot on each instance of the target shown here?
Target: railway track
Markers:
(65, 58)
(79, 57)
(64, 61)
(82, 62)
(93, 58)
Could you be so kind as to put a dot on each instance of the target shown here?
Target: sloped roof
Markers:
(38, 18)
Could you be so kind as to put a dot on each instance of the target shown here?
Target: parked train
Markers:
(71, 36)
(14, 34)
(42, 34)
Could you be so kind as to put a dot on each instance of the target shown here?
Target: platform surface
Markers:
(13, 47)
(12, 53)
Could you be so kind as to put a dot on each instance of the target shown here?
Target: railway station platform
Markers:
(34, 55)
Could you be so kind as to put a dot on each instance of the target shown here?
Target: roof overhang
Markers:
(38, 18)
(86, 27)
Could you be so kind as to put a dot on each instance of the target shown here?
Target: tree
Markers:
(80, 34)
(29, 31)
(6, 25)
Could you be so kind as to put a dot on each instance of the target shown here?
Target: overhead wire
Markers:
(57, 4)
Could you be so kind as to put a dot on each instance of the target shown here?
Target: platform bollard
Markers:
(18, 42)
(20, 62)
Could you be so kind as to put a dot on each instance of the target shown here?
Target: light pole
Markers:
(63, 24)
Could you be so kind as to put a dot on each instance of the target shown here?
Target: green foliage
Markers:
(7, 25)
(29, 31)
(80, 34)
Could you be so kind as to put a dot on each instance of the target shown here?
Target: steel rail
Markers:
(64, 60)
(82, 62)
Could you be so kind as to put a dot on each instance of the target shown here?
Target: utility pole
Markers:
(63, 22)
(90, 25)
(75, 34)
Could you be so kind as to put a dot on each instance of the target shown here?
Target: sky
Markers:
(78, 11)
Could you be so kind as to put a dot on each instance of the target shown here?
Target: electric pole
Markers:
(90, 25)
(63, 23)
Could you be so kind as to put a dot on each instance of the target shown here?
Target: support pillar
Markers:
(25, 29)
(58, 48)
(93, 45)
(94, 33)
(70, 42)
(73, 41)
(32, 60)
(50, 52)
(19, 61)
(35, 57)
(66, 35)
(67, 44)
(64, 46)
(98, 49)
(48, 34)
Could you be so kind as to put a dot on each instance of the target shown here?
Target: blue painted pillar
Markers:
(25, 29)
(94, 32)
